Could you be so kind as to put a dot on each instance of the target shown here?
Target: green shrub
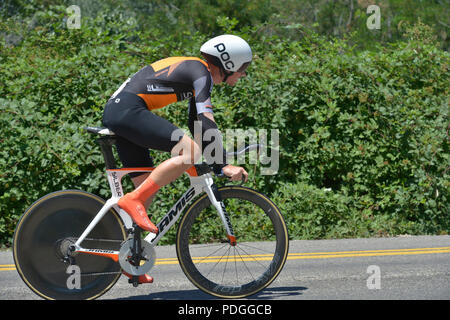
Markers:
(371, 126)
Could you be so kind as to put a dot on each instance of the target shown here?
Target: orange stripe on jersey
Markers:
(157, 101)
(164, 63)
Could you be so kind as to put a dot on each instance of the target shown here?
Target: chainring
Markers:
(148, 253)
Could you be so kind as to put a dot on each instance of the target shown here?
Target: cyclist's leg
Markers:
(169, 170)
(137, 181)
(184, 155)
(163, 174)
(134, 156)
(130, 119)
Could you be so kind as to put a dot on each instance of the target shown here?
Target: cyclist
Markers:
(129, 115)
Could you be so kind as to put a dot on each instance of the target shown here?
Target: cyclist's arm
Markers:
(235, 173)
(200, 109)
(213, 137)
(210, 116)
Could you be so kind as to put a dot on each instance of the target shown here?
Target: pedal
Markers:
(134, 280)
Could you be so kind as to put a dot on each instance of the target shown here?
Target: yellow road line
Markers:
(366, 251)
(312, 255)
(7, 267)
(371, 254)
(294, 256)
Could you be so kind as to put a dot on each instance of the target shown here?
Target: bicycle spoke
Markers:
(215, 265)
(208, 245)
(245, 244)
(251, 274)
(252, 257)
(206, 257)
(235, 267)
(226, 263)
(233, 271)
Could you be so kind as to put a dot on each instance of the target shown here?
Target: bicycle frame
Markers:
(199, 184)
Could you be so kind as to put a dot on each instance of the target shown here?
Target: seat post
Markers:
(106, 144)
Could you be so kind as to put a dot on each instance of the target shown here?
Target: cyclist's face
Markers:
(235, 77)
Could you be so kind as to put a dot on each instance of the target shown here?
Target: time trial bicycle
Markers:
(231, 241)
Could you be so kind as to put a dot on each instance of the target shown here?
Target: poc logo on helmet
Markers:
(224, 56)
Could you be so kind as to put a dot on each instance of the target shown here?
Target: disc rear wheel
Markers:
(42, 242)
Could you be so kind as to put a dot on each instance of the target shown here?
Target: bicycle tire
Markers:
(57, 218)
(248, 210)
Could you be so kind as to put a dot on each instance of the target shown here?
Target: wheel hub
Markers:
(63, 249)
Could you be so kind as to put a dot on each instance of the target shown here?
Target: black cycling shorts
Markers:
(138, 130)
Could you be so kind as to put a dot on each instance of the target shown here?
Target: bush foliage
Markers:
(363, 134)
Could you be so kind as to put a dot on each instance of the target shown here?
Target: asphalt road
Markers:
(352, 269)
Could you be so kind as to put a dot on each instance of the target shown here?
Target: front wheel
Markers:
(233, 271)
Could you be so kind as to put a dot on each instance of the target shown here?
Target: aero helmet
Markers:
(229, 52)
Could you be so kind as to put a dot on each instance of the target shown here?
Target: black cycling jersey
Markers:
(171, 80)
(128, 111)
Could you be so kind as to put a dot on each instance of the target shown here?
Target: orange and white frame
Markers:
(199, 184)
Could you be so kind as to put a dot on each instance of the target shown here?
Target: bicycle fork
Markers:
(216, 200)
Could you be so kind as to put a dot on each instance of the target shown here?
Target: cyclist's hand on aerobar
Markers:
(235, 173)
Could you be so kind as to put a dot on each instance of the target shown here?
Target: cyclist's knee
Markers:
(197, 152)
(188, 149)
